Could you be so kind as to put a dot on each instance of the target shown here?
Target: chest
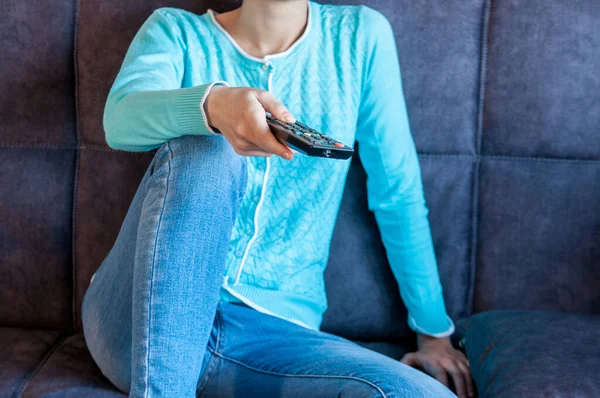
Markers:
(323, 95)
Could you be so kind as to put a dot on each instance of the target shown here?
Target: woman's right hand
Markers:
(239, 114)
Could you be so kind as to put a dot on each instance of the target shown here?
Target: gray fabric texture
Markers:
(504, 103)
(534, 354)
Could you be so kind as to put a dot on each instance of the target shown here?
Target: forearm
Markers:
(146, 105)
(394, 184)
(407, 238)
(144, 120)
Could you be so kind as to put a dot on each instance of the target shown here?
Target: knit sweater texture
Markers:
(341, 77)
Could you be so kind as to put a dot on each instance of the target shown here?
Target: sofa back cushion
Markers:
(37, 162)
(503, 102)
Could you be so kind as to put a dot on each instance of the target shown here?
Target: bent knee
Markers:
(202, 151)
(197, 159)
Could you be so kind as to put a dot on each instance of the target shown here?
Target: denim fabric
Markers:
(95, 219)
(253, 355)
(510, 222)
(172, 63)
(148, 312)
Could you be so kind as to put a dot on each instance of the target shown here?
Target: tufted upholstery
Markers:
(504, 103)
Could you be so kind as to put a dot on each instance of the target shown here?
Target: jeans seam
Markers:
(214, 361)
(215, 358)
(279, 374)
(221, 335)
(159, 222)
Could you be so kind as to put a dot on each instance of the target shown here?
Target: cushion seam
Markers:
(74, 219)
(508, 158)
(472, 274)
(28, 379)
(58, 146)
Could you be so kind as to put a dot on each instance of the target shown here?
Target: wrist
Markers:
(424, 340)
(210, 103)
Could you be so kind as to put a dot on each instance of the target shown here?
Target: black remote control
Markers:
(308, 141)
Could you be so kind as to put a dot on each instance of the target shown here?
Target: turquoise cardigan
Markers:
(341, 77)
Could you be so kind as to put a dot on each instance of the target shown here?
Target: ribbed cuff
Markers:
(189, 109)
(446, 333)
(431, 320)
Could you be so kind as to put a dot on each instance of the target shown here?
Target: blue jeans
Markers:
(154, 323)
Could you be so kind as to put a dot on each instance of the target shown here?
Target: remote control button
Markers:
(302, 125)
(339, 145)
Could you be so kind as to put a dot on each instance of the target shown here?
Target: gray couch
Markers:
(504, 102)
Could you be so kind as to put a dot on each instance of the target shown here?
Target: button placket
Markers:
(261, 166)
(266, 65)
(256, 194)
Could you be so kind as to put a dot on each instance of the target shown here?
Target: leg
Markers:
(148, 312)
(256, 355)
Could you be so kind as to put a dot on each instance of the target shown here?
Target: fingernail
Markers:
(287, 117)
(287, 156)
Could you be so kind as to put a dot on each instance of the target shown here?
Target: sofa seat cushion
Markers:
(69, 371)
(524, 353)
(36, 363)
(394, 350)
(47, 364)
(21, 352)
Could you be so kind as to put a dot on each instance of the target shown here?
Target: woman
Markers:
(215, 283)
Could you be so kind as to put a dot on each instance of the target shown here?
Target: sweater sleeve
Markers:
(395, 189)
(146, 105)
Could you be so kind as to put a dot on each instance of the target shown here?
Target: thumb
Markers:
(274, 107)
(411, 359)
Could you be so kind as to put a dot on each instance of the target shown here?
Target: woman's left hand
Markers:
(440, 360)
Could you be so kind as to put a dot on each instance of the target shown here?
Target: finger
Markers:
(261, 154)
(462, 356)
(466, 371)
(274, 107)
(249, 149)
(410, 359)
(458, 379)
(438, 373)
(263, 137)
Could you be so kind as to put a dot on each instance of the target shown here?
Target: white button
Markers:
(256, 198)
(265, 66)
(250, 231)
